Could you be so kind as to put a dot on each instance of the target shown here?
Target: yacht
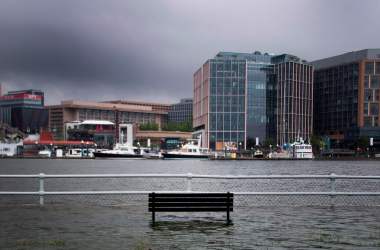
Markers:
(258, 154)
(45, 153)
(301, 150)
(79, 153)
(120, 151)
(151, 154)
(188, 150)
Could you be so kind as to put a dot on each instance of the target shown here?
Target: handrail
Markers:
(189, 177)
(193, 176)
(181, 191)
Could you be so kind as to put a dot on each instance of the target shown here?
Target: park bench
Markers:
(191, 202)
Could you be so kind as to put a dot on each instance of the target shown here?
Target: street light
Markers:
(87, 147)
(81, 148)
(51, 149)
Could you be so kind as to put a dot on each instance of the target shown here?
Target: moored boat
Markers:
(301, 150)
(190, 150)
(119, 151)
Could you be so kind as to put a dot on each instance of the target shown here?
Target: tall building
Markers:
(182, 111)
(24, 110)
(244, 98)
(347, 96)
(294, 98)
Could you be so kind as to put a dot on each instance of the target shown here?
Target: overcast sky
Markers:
(149, 50)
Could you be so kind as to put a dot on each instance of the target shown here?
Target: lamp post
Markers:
(87, 148)
(36, 143)
(51, 149)
(81, 148)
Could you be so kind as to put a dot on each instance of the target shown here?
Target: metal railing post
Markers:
(189, 177)
(332, 187)
(42, 188)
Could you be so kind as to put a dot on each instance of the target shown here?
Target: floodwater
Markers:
(94, 222)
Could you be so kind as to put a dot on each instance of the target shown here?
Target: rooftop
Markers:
(109, 106)
(353, 56)
(257, 56)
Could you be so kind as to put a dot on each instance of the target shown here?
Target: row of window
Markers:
(372, 68)
(226, 136)
(89, 114)
(371, 121)
(227, 121)
(371, 108)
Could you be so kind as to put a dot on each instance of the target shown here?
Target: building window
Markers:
(365, 108)
(366, 82)
(374, 109)
(369, 67)
(375, 81)
(368, 121)
(368, 95)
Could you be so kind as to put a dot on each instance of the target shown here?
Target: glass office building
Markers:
(238, 93)
(236, 102)
(182, 111)
(260, 97)
(347, 96)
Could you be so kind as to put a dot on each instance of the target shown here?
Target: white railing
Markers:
(188, 177)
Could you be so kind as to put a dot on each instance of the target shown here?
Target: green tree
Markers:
(363, 142)
(186, 126)
(149, 126)
(268, 141)
(316, 143)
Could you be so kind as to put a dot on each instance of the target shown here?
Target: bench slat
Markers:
(184, 199)
(190, 209)
(157, 195)
(192, 204)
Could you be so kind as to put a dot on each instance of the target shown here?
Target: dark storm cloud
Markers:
(148, 50)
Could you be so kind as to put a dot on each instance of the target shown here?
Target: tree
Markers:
(268, 142)
(149, 126)
(363, 142)
(317, 143)
(186, 126)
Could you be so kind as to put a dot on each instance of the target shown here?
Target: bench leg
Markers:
(153, 217)
(228, 217)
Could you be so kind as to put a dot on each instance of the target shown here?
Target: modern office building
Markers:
(117, 112)
(347, 96)
(241, 99)
(182, 111)
(294, 99)
(24, 110)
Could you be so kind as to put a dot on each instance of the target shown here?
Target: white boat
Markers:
(188, 150)
(258, 154)
(120, 151)
(44, 153)
(279, 155)
(79, 153)
(151, 154)
(9, 149)
(301, 150)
